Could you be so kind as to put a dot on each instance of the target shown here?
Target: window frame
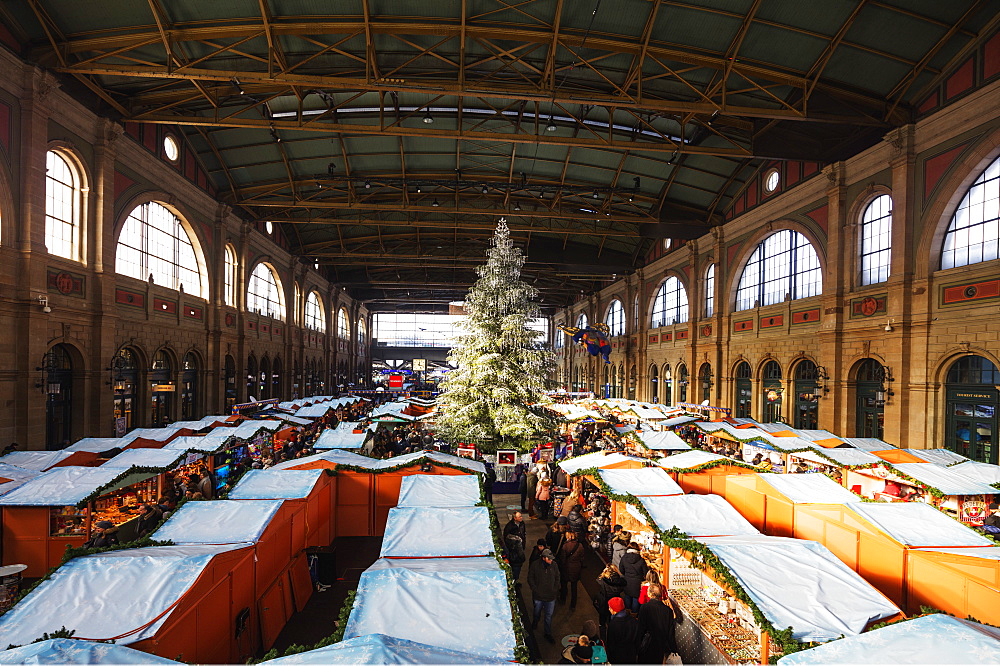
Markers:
(709, 299)
(615, 318)
(865, 237)
(986, 183)
(313, 312)
(680, 307)
(776, 272)
(343, 324)
(77, 190)
(230, 268)
(279, 311)
(149, 215)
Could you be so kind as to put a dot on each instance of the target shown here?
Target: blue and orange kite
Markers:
(592, 338)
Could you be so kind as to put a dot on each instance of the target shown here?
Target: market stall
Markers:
(964, 582)
(703, 472)
(438, 532)
(439, 491)
(310, 488)
(341, 439)
(14, 477)
(73, 651)
(42, 461)
(697, 515)
(834, 462)
(428, 600)
(930, 639)
(382, 649)
(176, 601)
(658, 442)
(983, 472)
(601, 460)
(59, 508)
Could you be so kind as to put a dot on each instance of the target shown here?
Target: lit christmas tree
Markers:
(494, 395)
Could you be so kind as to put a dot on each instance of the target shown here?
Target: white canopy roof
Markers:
(457, 461)
(315, 411)
(678, 420)
(66, 486)
(868, 443)
(801, 584)
(38, 461)
(218, 522)
(159, 458)
(262, 484)
(247, 429)
(982, 552)
(439, 490)
(95, 444)
(663, 441)
(697, 515)
(810, 488)
(152, 434)
(348, 425)
(917, 524)
(689, 459)
(939, 456)
(931, 639)
(437, 532)
(109, 594)
(597, 459)
(945, 479)
(640, 482)
(336, 456)
(647, 414)
(977, 471)
(340, 439)
(838, 456)
(430, 600)
(382, 649)
(72, 651)
(210, 443)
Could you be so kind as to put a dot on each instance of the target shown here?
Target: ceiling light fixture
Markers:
(596, 195)
(428, 118)
(368, 184)
(485, 189)
(551, 127)
(418, 189)
(517, 206)
(435, 204)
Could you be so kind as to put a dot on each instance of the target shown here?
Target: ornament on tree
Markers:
(592, 338)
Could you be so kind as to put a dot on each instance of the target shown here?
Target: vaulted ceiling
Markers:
(387, 137)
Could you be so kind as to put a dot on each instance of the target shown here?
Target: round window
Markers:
(268, 227)
(772, 180)
(170, 148)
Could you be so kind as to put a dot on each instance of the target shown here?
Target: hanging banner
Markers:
(395, 381)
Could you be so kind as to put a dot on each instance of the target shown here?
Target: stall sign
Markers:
(974, 509)
(773, 395)
(120, 426)
(192, 458)
(467, 451)
(255, 405)
(507, 458)
(395, 381)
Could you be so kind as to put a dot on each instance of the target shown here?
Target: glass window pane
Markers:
(974, 231)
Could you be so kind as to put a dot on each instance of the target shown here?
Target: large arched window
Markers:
(230, 277)
(315, 318)
(615, 318)
(581, 321)
(974, 233)
(155, 243)
(670, 305)
(343, 325)
(296, 303)
(362, 333)
(559, 341)
(710, 291)
(783, 266)
(62, 206)
(264, 292)
(876, 240)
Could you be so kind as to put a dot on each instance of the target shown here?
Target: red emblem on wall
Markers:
(64, 283)
(869, 306)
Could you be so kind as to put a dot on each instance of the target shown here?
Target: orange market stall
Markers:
(310, 488)
(703, 472)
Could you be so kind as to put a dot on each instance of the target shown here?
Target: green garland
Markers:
(395, 468)
(906, 477)
(80, 551)
(521, 653)
(709, 465)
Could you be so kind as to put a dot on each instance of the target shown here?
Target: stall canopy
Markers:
(802, 585)
(72, 651)
(640, 482)
(12, 477)
(314, 411)
(663, 441)
(868, 443)
(697, 515)
(38, 461)
(945, 479)
(428, 490)
(340, 439)
(333, 456)
(248, 429)
(598, 459)
(382, 649)
(261, 484)
(433, 456)
(430, 600)
(211, 443)
(109, 594)
(678, 421)
(96, 444)
(931, 639)
(842, 457)
(916, 524)
(438, 532)
(647, 414)
(218, 522)
(977, 471)
(159, 458)
(65, 486)
(810, 488)
(689, 459)
(939, 456)
(152, 434)
(348, 425)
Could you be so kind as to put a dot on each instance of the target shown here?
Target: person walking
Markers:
(610, 584)
(618, 547)
(531, 486)
(657, 621)
(633, 569)
(556, 537)
(570, 568)
(543, 580)
(543, 498)
(522, 488)
(514, 535)
(621, 633)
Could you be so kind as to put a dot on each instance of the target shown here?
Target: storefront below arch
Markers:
(971, 401)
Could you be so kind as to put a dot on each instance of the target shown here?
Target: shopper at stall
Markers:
(621, 635)
(657, 620)
(577, 523)
(543, 498)
(652, 578)
(618, 547)
(105, 534)
(531, 477)
(556, 536)
(610, 584)
(579, 652)
(570, 567)
(633, 569)
(993, 520)
(514, 535)
(522, 487)
(149, 517)
(543, 580)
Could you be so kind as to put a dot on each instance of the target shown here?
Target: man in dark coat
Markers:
(621, 634)
(543, 579)
(570, 567)
(514, 535)
(577, 523)
(105, 534)
(633, 569)
(657, 621)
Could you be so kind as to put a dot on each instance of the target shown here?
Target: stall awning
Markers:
(340, 439)
(38, 461)
(152, 434)
(314, 411)
(437, 532)
(266, 484)
(96, 444)
(218, 522)
(66, 486)
(677, 421)
(433, 456)
(697, 515)
(109, 594)
(663, 441)
(248, 429)
(918, 525)
(939, 456)
(433, 490)
(12, 477)
(810, 488)
(455, 603)
(945, 479)
(841, 457)
(72, 651)
(348, 425)
(898, 456)
(689, 459)
(802, 585)
(333, 457)
(382, 649)
(211, 443)
(163, 459)
(640, 482)
(931, 639)
(647, 414)
(868, 444)
(977, 471)
(597, 459)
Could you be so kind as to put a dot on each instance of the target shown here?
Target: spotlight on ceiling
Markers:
(551, 127)
(368, 184)
(418, 189)
(596, 195)
(427, 117)
(485, 189)
(435, 204)
(517, 206)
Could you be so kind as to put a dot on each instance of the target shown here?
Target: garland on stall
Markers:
(521, 653)
(395, 468)
(906, 477)
(710, 464)
(131, 471)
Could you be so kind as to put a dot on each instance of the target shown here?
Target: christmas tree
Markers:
(494, 395)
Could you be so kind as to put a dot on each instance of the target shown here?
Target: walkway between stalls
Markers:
(564, 621)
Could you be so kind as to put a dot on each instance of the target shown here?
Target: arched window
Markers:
(806, 395)
(343, 325)
(264, 292)
(974, 233)
(710, 291)
(362, 333)
(635, 313)
(230, 277)
(876, 240)
(783, 266)
(615, 318)
(296, 303)
(705, 378)
(62, 206)
(670, 305)
(744, 390)
(773, 390)
(559, 341)
(581, 321)
(972, 407)
(155, 243)
(315, 318)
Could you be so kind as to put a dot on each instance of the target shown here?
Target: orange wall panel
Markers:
(354, 520)
(779, 517)
(354, 488)
(301, 583)
(882, 563)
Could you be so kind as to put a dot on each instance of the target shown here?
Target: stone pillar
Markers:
(835, 413)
